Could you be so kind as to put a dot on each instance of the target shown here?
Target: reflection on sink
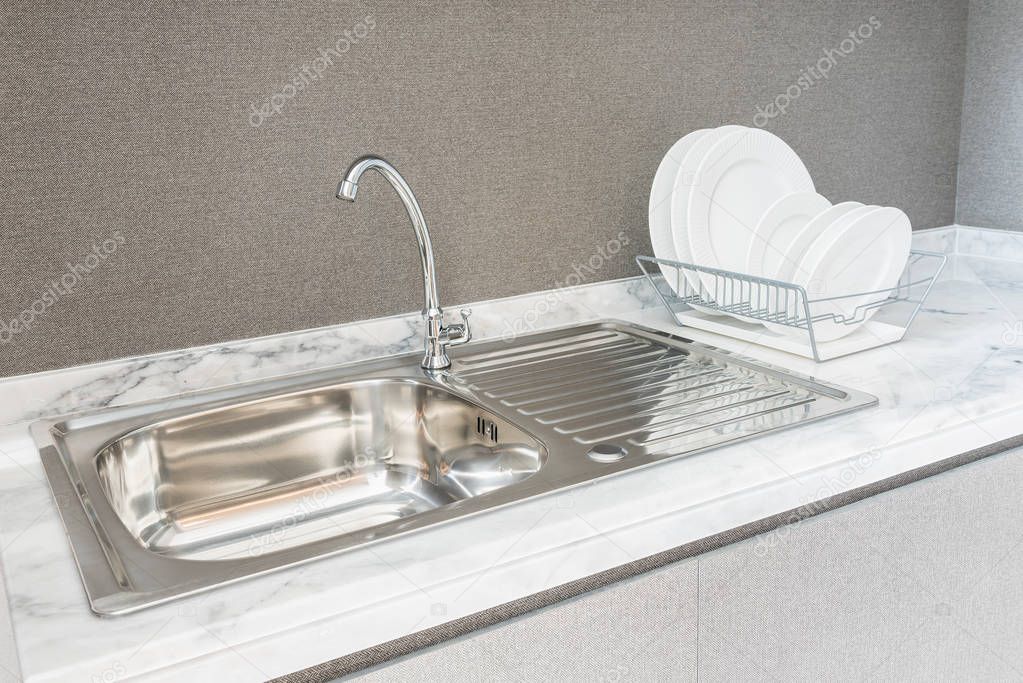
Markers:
(271, 474)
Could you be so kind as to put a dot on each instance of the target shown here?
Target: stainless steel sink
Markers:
(168, 498)
(219, 483)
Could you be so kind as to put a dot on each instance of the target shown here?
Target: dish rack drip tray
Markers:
(783, 315)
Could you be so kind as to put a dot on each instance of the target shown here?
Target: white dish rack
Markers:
(750, 301)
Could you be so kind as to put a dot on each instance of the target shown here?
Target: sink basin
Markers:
(170, 497)
(282, 471)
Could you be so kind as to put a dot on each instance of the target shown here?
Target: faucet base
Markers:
(435, 362)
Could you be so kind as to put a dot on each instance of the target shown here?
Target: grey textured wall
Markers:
(530, 131)
(991, 148)
(918, 584)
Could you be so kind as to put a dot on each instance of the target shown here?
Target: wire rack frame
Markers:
(685, 286)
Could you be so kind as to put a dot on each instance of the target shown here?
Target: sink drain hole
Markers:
(606, 452)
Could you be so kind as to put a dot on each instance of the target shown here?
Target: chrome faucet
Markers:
(438, 335)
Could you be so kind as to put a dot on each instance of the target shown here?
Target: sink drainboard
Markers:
(612, 385)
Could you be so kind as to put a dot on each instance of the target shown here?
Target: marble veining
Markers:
(31, 397)
(951, 385)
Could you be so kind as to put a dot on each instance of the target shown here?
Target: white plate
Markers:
(866, 254)
(773, 236)
(736, 183)
(786, 270)
(660, 204)
(770, 246)
(683, 186)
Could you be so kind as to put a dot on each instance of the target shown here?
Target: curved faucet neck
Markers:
(438, 335)
(348, 189)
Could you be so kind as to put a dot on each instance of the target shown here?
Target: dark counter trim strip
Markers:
(400, 647)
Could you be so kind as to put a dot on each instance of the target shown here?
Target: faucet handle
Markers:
(459, 333)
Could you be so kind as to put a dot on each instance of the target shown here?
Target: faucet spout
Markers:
(438, 335)
(347, 190)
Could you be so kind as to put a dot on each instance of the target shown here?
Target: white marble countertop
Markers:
(950, 386)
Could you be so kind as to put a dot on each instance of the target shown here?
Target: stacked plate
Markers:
(739, 199)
